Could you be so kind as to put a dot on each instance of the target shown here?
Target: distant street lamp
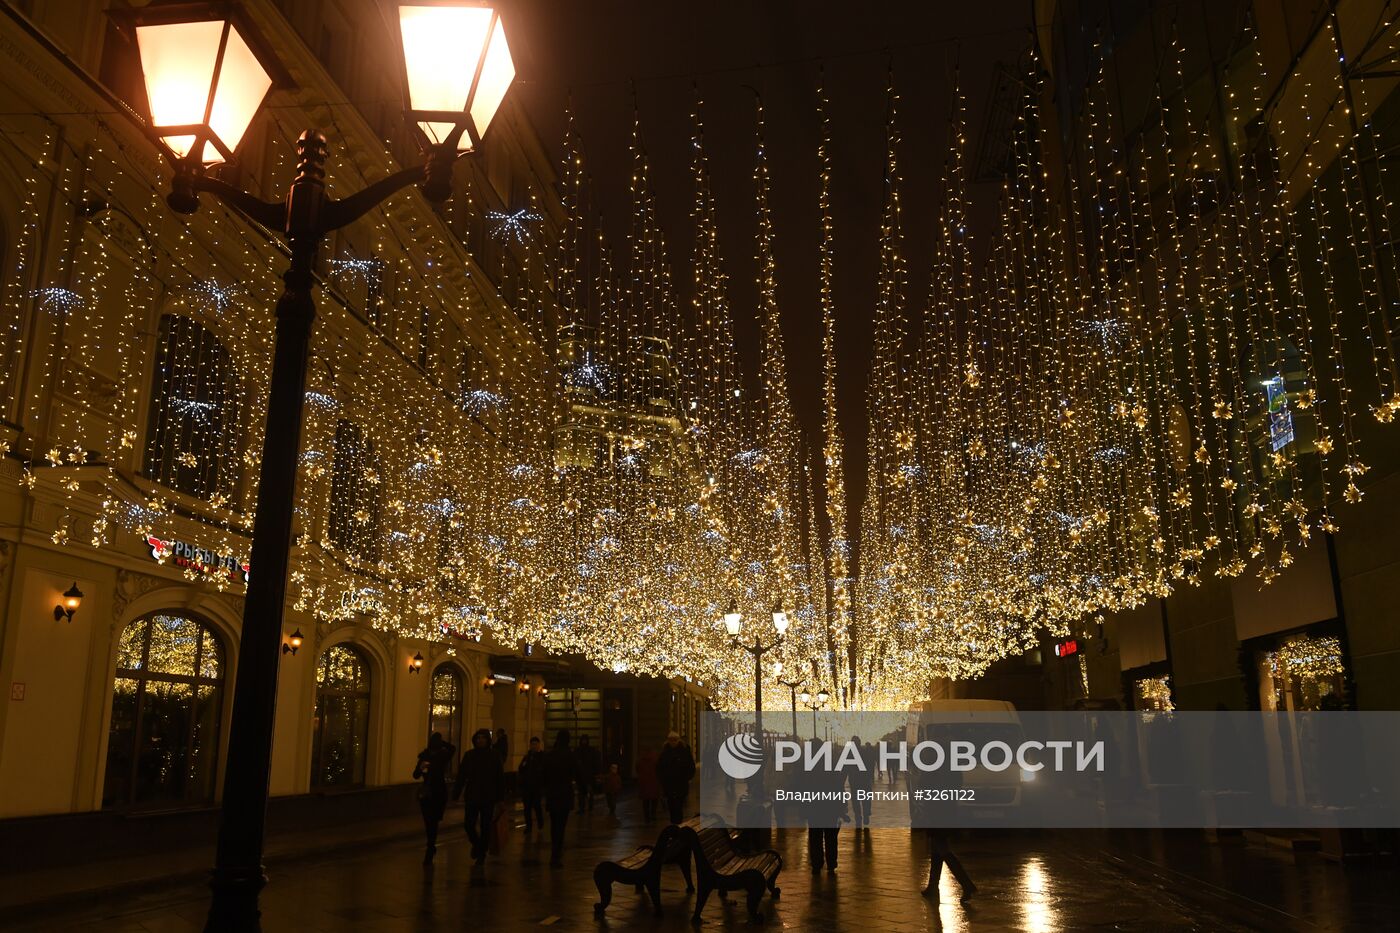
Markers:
(206, 72)
(793, 686)
(814, 704)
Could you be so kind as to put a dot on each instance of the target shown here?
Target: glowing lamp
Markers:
(733, 620)
(415, 663)
(780, 620)
(457, 67)
(203, 84)
(525, 685)
(805, 697)
(822, 697)
(293, 642)
(72, 598)
(777, 668)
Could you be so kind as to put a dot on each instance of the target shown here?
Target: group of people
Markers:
(564, 777)
(826, 814)
(547, 781)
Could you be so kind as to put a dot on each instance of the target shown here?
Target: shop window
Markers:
(341, 740)
(195, 434)
(448, 707)
(355, 484)
(162, 748)
(1303, 673)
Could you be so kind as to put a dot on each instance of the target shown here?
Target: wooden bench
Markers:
(642, 868)
(720, 866)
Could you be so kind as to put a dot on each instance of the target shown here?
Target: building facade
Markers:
(134, 355)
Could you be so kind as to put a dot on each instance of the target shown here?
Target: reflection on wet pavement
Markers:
(1032, 882)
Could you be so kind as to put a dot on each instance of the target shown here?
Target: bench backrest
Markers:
(715, 847)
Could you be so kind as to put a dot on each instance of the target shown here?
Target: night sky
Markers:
(595, 50)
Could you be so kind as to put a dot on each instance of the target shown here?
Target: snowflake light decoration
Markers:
(218, 298)
(512, 225)
(59, 300)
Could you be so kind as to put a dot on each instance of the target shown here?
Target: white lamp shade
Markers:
(777, 668)
(733, 621)
(204, 85)
(780, 621)
(823, 696)
(805, 697)
(458, 66)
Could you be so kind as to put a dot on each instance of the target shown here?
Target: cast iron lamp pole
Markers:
(304, 218)
(793, 687)
(198, 126)
(733, 622)
(815, 704)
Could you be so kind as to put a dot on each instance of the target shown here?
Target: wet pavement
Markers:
(1035, 882)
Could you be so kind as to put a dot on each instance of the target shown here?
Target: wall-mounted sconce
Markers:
(72, 597)
(415, 664)
(294, 641)
(489, 682)
(525, 685)
(544, 693)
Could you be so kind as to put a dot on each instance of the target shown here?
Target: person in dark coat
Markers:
(530, 775)
(588, 766)
(675, 766)
(861, 781)
(481, 780)
(648, 786)
(559, 771)
(825, 814)
(433, 764)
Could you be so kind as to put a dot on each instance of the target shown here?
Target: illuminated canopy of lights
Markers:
(1138, 381)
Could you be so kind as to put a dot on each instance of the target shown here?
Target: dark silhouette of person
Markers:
(675, 766)
(530, 776)
(861, 781)
(941, 853)
(587, 766)
(648, 786)
(481, 783)
(501, 746)
(825, 813)
(432, 767)
(559, 771)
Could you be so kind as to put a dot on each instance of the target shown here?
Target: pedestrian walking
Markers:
(862, 781)
(588, 765)
(559, 771)
(648, 786)
(941, 853)
(433, 764)
(501, 746)
(612, 786)
(826, 811)
(674, 768)
(530, 777)
(480, 784)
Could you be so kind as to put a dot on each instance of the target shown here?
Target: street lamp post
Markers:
(733, 624)
(814, 704)
(204, 82)
(793, 686)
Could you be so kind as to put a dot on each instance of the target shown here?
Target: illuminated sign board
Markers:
(1280, 418)
(209, 563)
(1067, 647)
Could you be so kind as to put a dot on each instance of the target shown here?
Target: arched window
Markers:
(342, 718)
(195, 438)
(448, 705)
(355, 484)
(166, 708)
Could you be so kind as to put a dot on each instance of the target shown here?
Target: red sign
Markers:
(1067, 647)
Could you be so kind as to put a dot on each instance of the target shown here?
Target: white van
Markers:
(977, 721)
